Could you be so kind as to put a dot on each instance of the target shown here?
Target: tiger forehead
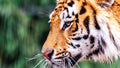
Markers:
(63, 4)
(81, 7)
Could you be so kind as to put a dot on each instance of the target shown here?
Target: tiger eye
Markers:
(68, 23)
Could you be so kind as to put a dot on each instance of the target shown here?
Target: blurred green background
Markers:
(23, 29)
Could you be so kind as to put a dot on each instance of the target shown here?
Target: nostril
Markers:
(48, 54)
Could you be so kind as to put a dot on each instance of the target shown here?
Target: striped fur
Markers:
(83, 30)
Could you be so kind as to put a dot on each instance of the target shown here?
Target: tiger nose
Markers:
(48, 54)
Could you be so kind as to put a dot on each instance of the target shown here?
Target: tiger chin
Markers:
(83, 30)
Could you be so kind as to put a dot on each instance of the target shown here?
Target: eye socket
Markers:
(66, 24)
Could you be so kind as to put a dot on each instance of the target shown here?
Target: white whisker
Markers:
(38, 63)
(77, 65)
(75, 61)
(35, 57)
(48, 66)
(45, 65)
(64, 63)
(69, 62)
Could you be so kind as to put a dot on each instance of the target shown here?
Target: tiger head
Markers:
(82, 30)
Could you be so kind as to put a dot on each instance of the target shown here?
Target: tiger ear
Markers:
(104, 3)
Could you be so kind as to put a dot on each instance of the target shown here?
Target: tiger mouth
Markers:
(66, 62)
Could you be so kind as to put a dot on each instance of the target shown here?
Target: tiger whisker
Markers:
(63, 60)
(48, 66)
(45, 65)
(74, 61)
(76, 64)
(39, 63)
(70, 64)
(35, 57)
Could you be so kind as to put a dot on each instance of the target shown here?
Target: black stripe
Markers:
(70, 3)
(95, 20)
(92, 39)
(76, 28)
(76, 16)
(74, 35)
(100, 47)
(85, 36)
(75, 59)
(68, 16)
(71, 44)
(114, 42)
(96, 23)
(73, 13)
(77, 38)
(83, 10)
(77, 19)
(86, 24)
(81, 30)
(97, 51)
(63, 15)
(111, 36)
(92, 46)
(103, 42)
(65, 8)
(77, 45)
(84, 3)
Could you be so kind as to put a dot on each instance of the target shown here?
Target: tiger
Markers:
(83, 30)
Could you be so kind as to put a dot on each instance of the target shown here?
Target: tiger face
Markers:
(82, 30)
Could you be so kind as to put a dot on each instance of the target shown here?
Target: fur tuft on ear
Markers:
(104, 3)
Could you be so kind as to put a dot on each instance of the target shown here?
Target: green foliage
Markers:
(23, 30)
